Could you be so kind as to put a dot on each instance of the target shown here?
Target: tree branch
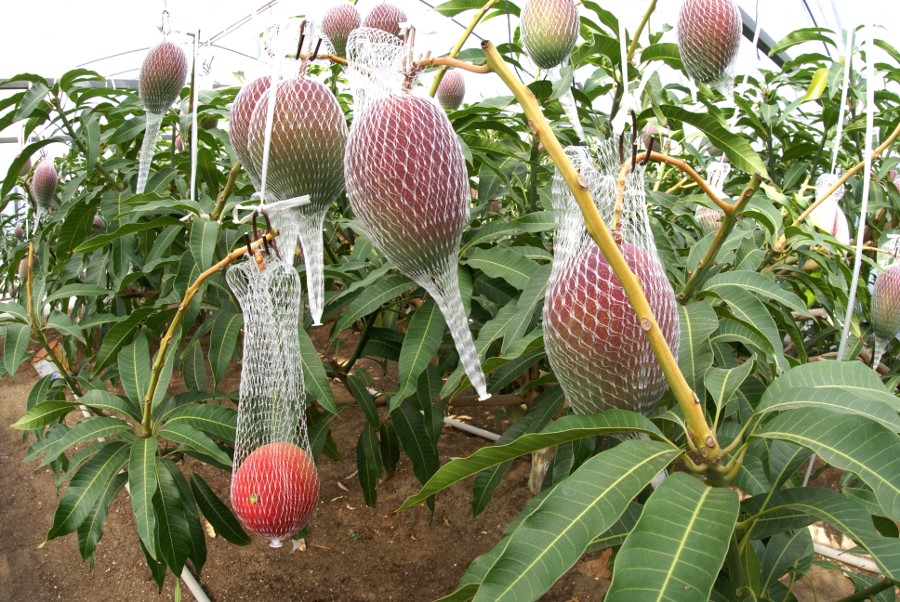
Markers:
(159, 360)
(698, 428)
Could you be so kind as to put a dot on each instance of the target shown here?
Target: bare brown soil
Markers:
(353, 552)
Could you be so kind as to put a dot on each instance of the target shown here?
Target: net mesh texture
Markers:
(829, 216)
(709, 37)
(275, 486)
(710, 218)
(407, 182)
(549, 31)
(305, 131)
(595, 345)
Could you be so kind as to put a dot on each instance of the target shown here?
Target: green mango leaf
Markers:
(217, 420)
(849, 387)
(79, 289)
(420, 345)
(551, 539)
(172, 529)
(786, 552)
(194, 367)
(223, 340)
(134, 368)
(411, 430)
(363, 399)
(722, 383)
(725, 282)
(737, 148)
(666, 559)
(204, 236)
(800, 506)
(120, 334)
(194, 439)
(532, 296)
(87, 486)
(314, 376)
(100, 399)
(15, 311)
(368, 463)
(15, 346)
(568, 428)
(88, 429)
(848, 442)
(799, 36)
(698, 321)
(101, 240)
(546, 405)
(142, 485)
(372, 298)
(218, 513)
(500, 262)
(91, 530)
(43, 414)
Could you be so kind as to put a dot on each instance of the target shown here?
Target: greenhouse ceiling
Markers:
(53, 37)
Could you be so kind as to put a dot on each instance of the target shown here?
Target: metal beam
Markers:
(765, 42)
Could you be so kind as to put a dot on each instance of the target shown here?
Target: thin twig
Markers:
(159, 360)
(640, 28)
(459, 44)
(890, 139)
(226, 192)
(80, 144)
(696, 279)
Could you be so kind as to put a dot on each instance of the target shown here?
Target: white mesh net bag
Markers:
(292, 145)
(274, 486)
(375, 65)
(710, 218)
(829, 216)
(885, 308)
(593, 340)
(160, 80)
(408, 186)
(709, 37)
(306, 153)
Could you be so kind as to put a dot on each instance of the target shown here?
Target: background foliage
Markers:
(759, 332)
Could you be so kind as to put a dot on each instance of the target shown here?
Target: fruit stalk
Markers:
(476, 18)
(159, 360)
(702, 437)
(724, 229)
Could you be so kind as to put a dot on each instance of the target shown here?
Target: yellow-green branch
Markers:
(698, 428)
(160, 360)
(725, 228)
(890, 139)
(459, 44)
(226, 192)
(640, 29)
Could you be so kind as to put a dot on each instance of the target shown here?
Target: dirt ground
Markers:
(353, 553)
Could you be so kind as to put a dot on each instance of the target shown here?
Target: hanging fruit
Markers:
(549, 31)
(162, 76)
(451, 90)
(709, 37)
(337, 24)
(44, 182)
(408, 185)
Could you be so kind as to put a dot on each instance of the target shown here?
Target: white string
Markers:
(848, 56)
(285, 204)
(867, 175)
(194, 97)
